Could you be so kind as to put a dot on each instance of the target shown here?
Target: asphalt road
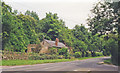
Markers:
(79, 65)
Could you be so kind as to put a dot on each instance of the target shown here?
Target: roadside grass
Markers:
(31, 62)
(89, 57)
(107, 61)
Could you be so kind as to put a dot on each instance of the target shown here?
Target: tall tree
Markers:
(32, 14)
(103, 19)
(51, 25)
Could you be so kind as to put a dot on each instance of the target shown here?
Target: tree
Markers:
(32, 14)
(103, 19)
(18, 30)
(50, 25)
(29, 24)
(80, 46)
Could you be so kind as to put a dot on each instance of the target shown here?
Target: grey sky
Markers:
(71, 11)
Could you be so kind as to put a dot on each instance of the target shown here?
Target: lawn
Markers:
(31, 62)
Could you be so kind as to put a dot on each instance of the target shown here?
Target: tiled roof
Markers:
(52, 43)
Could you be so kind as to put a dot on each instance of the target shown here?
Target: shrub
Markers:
(53, 50)
(99, 54)
(63, 51)
(78, 54)
(83, 54)
(88, 54)
(42, 57)
(35, 57)
(93, 54)
(67, 56)
(106, 52)
(61, 57)
(72, 57)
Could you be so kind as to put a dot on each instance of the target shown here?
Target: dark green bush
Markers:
(61, 57)
(83, 54)
(93, 54)
(99, 54)
(88, 54)
(43, 57)
(67, 56)
(78, 54)
(53, 50)
(106, 52)
(63, 51)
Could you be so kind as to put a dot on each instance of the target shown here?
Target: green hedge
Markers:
(78, 54)
(43, 57)
(83, 54)
(99, 53)
(88, 54)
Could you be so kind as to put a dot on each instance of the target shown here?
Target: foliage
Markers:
(62, 51)
(99, 54)
(51, 26)
(53, 50)
(113, 47)
(78, 54)
(108, 61)
(43, 57)
(103, 19)
(106, 52)
(19, 30)
(105, 22)
(88, 54)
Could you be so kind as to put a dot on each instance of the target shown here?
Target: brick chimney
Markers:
(56, 41)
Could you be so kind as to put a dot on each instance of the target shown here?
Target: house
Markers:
(45, 45)
(33, 47)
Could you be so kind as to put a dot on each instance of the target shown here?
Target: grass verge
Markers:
(89, 57)
(31, 62)
(108, 61)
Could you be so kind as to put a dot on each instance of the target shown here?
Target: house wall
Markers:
(45, 47)
(31, 46)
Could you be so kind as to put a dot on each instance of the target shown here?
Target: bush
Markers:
(53, 50)
(78, 54)
(93, 54)
(43, 57)
(88, 54)
(61, 57)
(99, 54)
(63, 51)
(33, 57)
(114, 50)
(106, 53)
(83, 54)
(67, 56)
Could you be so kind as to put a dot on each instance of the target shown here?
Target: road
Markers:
(79, 65)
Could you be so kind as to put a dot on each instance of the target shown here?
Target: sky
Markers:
(73, 12)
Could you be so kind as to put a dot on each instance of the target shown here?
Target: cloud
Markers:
(72, 13)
